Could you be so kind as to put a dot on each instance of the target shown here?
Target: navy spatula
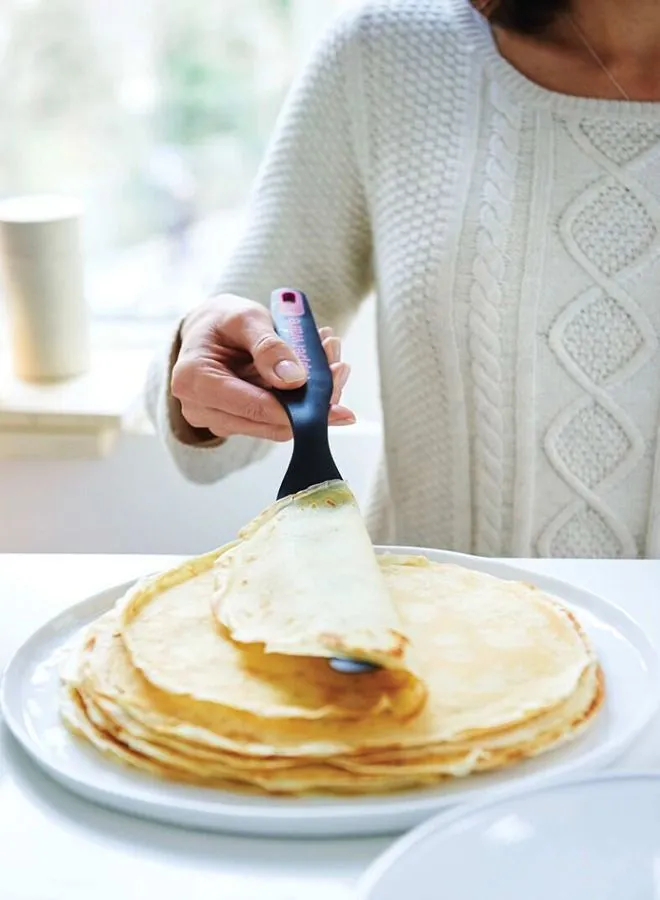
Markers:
(308, 408)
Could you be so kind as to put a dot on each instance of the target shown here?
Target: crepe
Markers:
(502, 672)
(204, 663)
(338, 775)
(303, 579)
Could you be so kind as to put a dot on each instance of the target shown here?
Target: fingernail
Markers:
(289, 371)
(349, 420)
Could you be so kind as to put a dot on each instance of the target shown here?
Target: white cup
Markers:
(41, 258)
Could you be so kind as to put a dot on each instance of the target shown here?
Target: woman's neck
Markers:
(617, 35)
(621, 32)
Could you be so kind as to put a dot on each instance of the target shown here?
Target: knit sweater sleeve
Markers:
(307, 227)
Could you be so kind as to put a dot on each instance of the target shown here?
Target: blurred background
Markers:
(155, 114)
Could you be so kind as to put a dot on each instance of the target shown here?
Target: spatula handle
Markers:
(308, 409)
(308, 406)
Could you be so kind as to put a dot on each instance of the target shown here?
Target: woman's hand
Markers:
(230, 357)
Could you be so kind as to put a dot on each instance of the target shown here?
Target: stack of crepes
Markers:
(217, 672)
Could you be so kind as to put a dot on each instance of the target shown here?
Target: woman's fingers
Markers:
(224, 424)
(341, 415)
(340, 375)
(208, 385)
(332, 347)
(217, 392)
(221, 401)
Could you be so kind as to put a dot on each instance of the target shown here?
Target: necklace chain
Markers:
(596, 57)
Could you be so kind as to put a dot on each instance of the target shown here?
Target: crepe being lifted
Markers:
(205, 664)
(303, 579)
(505, 673)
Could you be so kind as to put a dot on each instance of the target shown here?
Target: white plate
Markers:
(30, 707)
(596, 839)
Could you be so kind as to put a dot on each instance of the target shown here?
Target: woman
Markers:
(495, 175)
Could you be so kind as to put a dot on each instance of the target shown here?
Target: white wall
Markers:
(135, 501)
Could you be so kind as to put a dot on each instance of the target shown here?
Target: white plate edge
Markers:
(366, 883)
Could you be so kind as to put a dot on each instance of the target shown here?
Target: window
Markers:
(156, 113)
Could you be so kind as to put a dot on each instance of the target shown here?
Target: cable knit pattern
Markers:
(513, 239)
(489, 270)
(594, 444)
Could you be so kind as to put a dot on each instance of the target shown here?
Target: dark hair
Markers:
(528, 16)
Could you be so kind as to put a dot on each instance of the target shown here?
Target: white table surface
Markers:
(54, 846)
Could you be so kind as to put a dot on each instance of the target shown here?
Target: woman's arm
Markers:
(308, 227)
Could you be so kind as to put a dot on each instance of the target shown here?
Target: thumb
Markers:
(274, 360)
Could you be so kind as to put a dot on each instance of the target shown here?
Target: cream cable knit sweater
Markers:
(513, 237)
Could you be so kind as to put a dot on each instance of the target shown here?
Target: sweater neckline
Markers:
(532, 94)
